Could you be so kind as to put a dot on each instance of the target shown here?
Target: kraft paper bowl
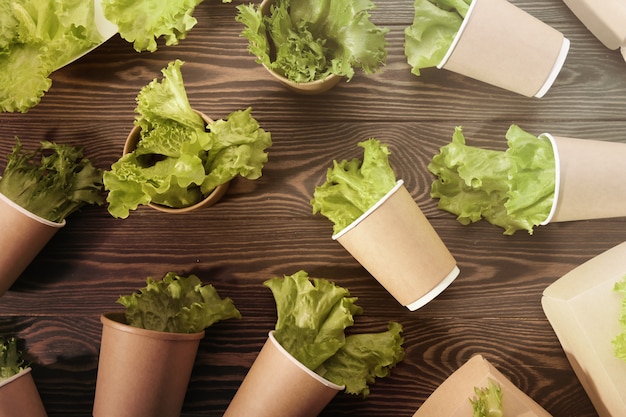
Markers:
(19, 396)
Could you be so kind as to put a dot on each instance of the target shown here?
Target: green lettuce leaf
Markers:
(352, 187)
(177, 304)
(11, 362)
(512, 189)
(488, 400)
(51, 181)
(312, 39)
(619, 342)
(435, 24)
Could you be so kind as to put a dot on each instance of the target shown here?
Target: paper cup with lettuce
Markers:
(308, 358)
(376, 219)
(488, 40)
(18, 393)
(39, 189)
(177, 159)
(536, 181)
(309, 45)
(147, 352)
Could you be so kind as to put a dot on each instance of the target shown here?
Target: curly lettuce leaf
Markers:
(619, 342)
(313, 39)
(143, 22)
(11, 362)
(435, 24)
(512, 189)
(487, 401)
(352, 187)
(51, 181)
(177, 304)
(363, 358)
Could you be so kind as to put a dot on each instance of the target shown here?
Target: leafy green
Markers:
(313, 314)
(435, 24)
(619, 342)
(11, 362)
(178, 159)
(352, 187)
(143, 22)
(513, 189)
(307, 40)
(177, 304)
(51, 181)
(36, 38)
(488, 401)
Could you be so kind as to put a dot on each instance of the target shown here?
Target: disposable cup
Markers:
(19, 396)
(23, 236)
(502, 45)
(590, 179)
(277, 385)
(604, 18)
(396, 243)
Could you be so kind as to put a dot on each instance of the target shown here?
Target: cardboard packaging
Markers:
(24, 235)
(502, 45)
(277, 385)
(142, 373)
(396, 243)
(590, 180)
(19, 396)
(584, 311)
(451, 398)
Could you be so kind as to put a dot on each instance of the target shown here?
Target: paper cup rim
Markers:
(557, 178)
(556, 69)
(31, 215)
(317, 377)
(16, 376)
(438, 289)
(369, 211)
(457, 37)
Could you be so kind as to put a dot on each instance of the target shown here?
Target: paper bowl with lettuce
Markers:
(147, 352)
(377, 221)
(177, 159)
(18, 392)
(39, 189)
(309, 46)
(537, 180)
(492, 41)
(308, 358)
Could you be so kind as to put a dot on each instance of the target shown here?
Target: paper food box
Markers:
(584, 310)
(452, 397)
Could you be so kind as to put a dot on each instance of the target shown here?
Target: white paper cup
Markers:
(502, 45)
(396, 243)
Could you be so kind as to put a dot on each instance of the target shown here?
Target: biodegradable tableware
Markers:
(584, 312)
(213, 197)
(19, 396)
(502, 45)
(142, 373)
(23, 236)
(451, 398)
(277, 385)
(396, 243)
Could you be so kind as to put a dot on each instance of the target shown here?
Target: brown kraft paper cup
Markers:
(397, 244)
(277, 385)
(142, 373)
(502, 45)
(590, 179)
(24, 235)
(19, 396)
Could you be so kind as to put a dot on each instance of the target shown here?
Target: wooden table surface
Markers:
(265, 228)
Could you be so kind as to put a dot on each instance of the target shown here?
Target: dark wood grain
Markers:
(265, 228)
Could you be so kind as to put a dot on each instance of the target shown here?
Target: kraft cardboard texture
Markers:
(451, 398)
(606, 19)
(19, 397)
(278, 386)
(502, 45)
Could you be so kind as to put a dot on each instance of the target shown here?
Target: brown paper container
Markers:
(590, 180)
(606, 19)
(313, 87)
(19, 397)
(451, 398)
(396, 243)
(213, 197)
(23, 236)
(142, 373)
(277, 385)
(502, 45)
